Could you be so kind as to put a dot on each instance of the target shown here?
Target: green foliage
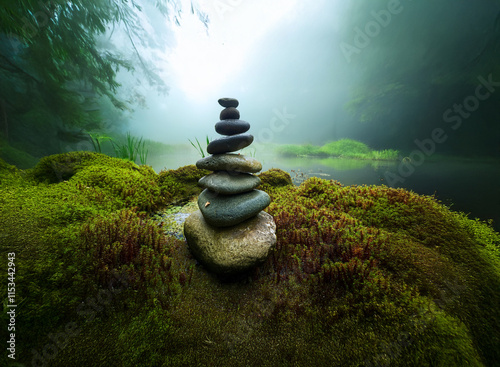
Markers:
(136, 187)
(61, 167)
(59, 62)
(298, 150)
(131, 149)
(180, 184)
(97, 140)
(274, 178)
(16, 156)
(399, 276)
(198, 147)
(131, 245)
(345, 148)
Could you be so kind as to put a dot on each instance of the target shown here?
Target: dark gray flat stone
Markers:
(229, 162)
(229, 102)
(232, 127)
(230, 183)
(228, 210)
(229, 113)
(229, 143)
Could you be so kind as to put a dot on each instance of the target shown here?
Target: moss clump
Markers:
(275, 177)
(361, 276)
(134, 187)
(17, 157)
(61, 167)
(133, 246)
(179, 185)
(344, 148)
(4, 166)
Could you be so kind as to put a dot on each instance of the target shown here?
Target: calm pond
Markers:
(465, 185)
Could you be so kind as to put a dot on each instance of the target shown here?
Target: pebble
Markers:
(229, 143)
(229, 162)
(232, 127)
(228, 210)
(228, 102)
(229, 183)
(229, 113)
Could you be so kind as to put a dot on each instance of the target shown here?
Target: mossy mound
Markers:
(61, 167)
(15, 156)
(179, 185)
(361, 276)
(274, 178)
(4, 166)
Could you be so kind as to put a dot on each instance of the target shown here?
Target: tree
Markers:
(57, 60)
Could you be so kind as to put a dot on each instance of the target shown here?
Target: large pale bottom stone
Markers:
(234, 249)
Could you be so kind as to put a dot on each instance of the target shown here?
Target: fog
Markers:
(383, 72)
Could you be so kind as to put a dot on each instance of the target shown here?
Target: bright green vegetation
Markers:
(344, 148)
(132, 149)
(198, 146)
(59, 69)
(361, 275)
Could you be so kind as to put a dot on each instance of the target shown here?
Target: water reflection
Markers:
(468, 186)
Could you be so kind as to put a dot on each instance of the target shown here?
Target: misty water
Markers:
(466, 185)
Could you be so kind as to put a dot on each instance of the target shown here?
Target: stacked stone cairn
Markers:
(230, 233)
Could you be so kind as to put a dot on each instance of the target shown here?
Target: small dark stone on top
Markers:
(229, 113)
(229, 102)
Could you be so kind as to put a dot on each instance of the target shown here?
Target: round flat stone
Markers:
(229, 183)
(229, 113)
(228, 210)
(232, 127)
(229, 143)
(229, 162)
(234, 249)
(229, 102)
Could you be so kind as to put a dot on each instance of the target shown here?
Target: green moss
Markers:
(180, 184)
(16, 156)
(135, 187)
(61, 167)
(344, 148)
(361, 276)
(274, 178)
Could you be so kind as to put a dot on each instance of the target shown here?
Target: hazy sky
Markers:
(274, 56)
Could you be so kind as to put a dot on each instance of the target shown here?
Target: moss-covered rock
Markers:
(15, 156)
(361, 276)
(181, 184)
(274, 177)
(61, 167)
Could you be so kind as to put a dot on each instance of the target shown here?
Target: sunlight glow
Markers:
(203, 63)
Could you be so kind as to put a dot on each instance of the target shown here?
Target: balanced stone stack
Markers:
(230, 233)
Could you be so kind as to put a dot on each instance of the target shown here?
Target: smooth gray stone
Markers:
(229, 113)
(229, 162)
(229, 143)
(228, 210)
(232, 127)
(230, 183)
(229, 102)
(234, 249)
